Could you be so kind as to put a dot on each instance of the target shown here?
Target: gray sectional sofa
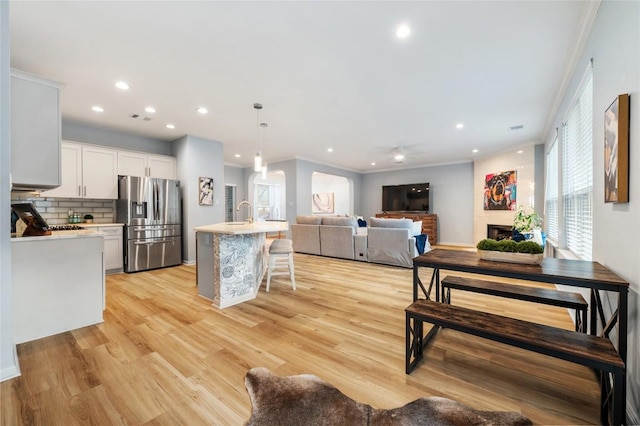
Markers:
(387, 241)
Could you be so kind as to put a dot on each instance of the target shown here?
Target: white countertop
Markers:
(237, 228)
(93, 225)
(59, 235)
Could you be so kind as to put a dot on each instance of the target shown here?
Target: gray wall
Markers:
(450, 197)
(8, 359)
(72, 131)
(235, 176)
(198, 157)
(614, 45)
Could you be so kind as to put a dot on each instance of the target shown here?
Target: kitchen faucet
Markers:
(250, 220)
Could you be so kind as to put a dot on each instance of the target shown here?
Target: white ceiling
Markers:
(329, 74)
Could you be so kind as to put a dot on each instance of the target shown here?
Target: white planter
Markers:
(499, 256)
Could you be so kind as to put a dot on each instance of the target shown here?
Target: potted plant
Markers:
(526, 220)
(526, 224)
(510, 251)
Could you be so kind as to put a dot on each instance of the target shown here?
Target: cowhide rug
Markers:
(307, 400)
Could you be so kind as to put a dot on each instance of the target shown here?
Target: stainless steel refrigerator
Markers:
(150, 210)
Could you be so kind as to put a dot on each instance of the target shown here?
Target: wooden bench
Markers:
(551, 297)
(592, 351)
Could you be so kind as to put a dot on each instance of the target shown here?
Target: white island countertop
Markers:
(238, 228)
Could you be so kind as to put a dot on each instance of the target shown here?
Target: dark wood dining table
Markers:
(576, 273)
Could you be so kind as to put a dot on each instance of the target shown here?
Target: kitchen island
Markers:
(231, 260)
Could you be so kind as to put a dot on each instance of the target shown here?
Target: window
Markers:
(267, 201)
(577, 172)
(229, 202)
(551, 193)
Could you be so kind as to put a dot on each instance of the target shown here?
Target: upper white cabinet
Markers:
(87, 172)
(99, 173)
(35, 132)
(71, 172)
(140, 164)
(90, 171)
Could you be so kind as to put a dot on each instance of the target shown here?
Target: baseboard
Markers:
(12, 371)
(188, 262)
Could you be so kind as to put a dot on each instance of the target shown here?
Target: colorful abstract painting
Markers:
(500, 191)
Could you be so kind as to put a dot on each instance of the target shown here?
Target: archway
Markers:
(331, 194)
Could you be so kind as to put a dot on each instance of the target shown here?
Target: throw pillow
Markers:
(416, 228)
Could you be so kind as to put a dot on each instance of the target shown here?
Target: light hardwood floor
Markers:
(165, 356)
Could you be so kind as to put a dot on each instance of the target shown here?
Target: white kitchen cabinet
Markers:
(58, 284)
(99, 173)
(71, 172)
(87, 172)
(113, 256)
(132, 163)
(35, 132)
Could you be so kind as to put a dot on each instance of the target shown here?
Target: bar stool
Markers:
(281, 256)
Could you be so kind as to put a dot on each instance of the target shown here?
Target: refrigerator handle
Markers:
(156, 203)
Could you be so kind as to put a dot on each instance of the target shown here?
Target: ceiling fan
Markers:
(402, 153)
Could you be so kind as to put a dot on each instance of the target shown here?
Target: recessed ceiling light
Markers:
(237, 155)
(330, 150)
(520, 152)
(122, 85)
(202, 110)
(97, 108)
(399, 157)
(474, 151)
(403, 31)
(459, 125)
(170, 126)
(373, 164)
(150, 110)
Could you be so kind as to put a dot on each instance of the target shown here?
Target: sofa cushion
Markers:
(340, 221)
(379, 222)
(309, 220)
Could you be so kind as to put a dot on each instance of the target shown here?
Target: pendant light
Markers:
(257, 161)
(264, 163)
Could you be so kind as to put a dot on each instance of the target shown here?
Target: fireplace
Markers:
(499, 232)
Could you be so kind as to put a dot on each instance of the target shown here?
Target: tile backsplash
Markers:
(56, 210)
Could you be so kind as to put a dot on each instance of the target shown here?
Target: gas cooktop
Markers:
(65, 227)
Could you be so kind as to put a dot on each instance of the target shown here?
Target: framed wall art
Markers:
(500, 191)
(322, 203)
(616, 151)
(205, 186)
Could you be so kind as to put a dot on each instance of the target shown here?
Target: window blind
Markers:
(551, 193)
(577, 172)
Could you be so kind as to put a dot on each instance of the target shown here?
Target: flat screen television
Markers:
(410, 197)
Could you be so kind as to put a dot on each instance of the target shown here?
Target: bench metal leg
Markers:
(416, 340)
(413, 342)
(613, 399)
(581, 320)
